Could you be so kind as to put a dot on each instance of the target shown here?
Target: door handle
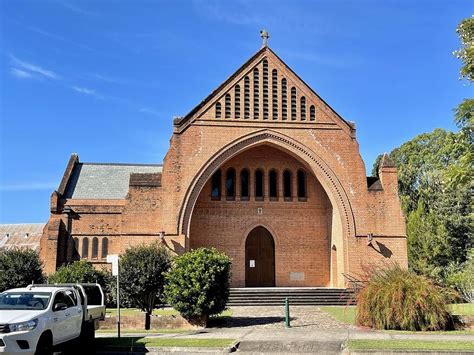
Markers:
(55, 319)
(67, 314)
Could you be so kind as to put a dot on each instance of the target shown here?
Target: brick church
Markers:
(262, 169)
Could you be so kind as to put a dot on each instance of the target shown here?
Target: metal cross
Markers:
(265, 36)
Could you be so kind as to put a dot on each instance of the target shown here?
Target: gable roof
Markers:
(26, 235)
(104, 181)
(247, 66)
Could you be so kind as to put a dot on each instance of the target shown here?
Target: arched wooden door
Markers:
(259, 259)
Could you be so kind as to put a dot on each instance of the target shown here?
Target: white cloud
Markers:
(33, 68)
(58, 37)
(149, 111)
(21, 74)
(87, 91)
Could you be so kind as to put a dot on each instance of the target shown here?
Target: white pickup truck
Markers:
(36, 318)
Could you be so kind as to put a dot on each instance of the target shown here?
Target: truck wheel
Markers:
(45, 345)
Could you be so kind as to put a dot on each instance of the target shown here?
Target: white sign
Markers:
(252, 263)
(113, 259)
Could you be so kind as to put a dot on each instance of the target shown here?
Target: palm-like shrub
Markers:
(395, 298)
(198, 285)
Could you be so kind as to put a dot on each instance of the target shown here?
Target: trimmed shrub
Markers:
(142, 276)
(395, 298)
(198, 285)
(19, 267)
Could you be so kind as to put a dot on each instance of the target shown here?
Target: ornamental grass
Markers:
(395, 298)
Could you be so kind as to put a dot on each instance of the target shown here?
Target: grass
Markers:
(166, 342)
(344, 314)
(409, 345)
(462, 309)
(151, 331)
(112, 312)
(347, 314)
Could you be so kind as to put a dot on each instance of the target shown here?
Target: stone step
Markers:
(296, 296)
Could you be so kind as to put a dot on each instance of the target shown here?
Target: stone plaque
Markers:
(297, 276)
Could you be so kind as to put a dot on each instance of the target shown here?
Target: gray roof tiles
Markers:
(26, 235)
(103, 181)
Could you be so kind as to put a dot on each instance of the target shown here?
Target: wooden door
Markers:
(259, 259)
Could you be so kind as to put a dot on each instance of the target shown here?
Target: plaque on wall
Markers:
(252, 263)
(297, 276)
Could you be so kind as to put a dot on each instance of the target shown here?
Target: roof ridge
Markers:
(121, 164)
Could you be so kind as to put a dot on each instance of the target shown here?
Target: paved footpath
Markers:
(313, 331)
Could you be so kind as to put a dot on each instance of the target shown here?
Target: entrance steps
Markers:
(303, 296)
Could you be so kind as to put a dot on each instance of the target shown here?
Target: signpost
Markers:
(114, 260)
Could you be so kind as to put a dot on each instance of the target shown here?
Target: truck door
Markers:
(59, 318)
(73, 314)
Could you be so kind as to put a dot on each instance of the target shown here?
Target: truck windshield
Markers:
(24, 300)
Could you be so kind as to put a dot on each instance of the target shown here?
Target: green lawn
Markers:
(166, 342)
(151, 331)
(409, 345)
(112, 312)
(347, 314)
(344, 314)
(463, 309)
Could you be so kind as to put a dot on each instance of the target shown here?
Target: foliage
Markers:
(398, 299)
(84, 272)
(19, 268)
(463, 279)
(198, 285)
(77, 272)
(465, 32)
(142, 276)
(437, 208)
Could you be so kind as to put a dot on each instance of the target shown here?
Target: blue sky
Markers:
(104, 78)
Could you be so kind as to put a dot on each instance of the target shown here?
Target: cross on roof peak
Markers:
(265, 36)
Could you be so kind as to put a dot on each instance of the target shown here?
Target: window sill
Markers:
(302, 199)
(288, 199)
(273, 198)
(259, 198)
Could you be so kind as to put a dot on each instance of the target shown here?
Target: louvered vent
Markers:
(264, 93)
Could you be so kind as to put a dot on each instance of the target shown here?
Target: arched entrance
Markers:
(259, 259)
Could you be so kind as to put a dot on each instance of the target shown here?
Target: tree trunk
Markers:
(147, 320)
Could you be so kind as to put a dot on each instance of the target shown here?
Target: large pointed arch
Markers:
(314, 162)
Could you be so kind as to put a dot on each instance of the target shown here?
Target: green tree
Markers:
(84, 272)
(19, 268)
(435, 180)
(465, 31)
(142, 276)
(438, 212)
(78, 272)
(198, 285)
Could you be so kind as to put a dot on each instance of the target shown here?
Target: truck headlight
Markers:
(20, 327)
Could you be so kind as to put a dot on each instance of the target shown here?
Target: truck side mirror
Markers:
(59, 307)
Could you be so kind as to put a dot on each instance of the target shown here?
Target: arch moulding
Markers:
(326, 177)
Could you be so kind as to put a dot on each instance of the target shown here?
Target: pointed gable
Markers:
(265, 90)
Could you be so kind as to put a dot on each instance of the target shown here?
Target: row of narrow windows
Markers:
(95, 247)
(230, 185)
(265, 99)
